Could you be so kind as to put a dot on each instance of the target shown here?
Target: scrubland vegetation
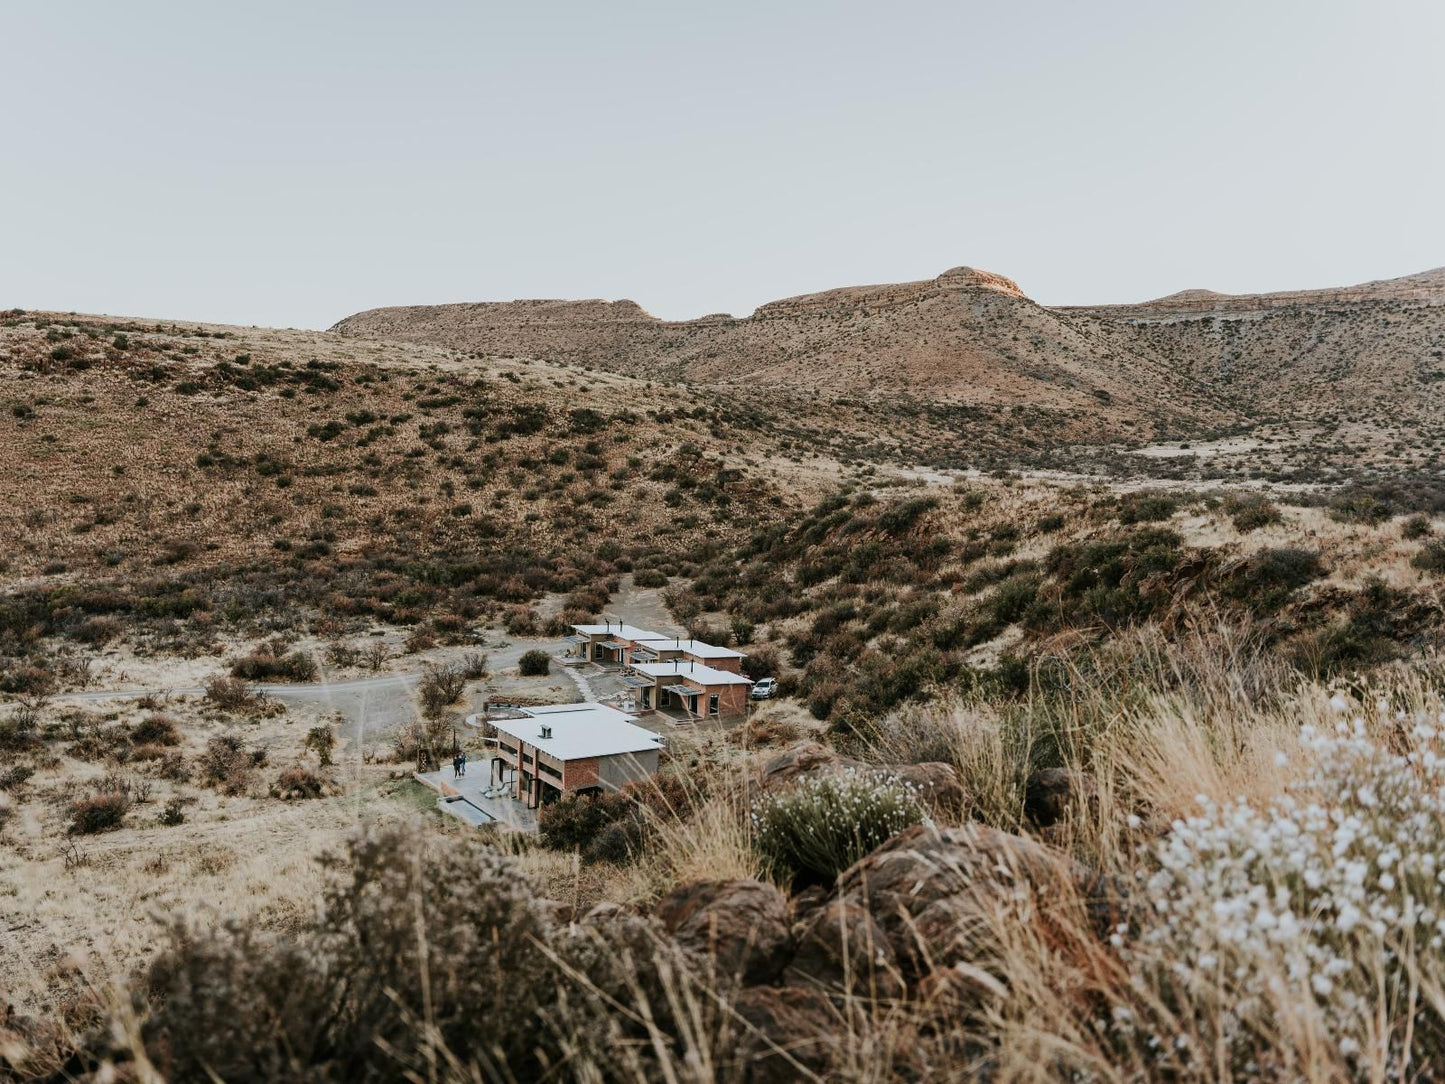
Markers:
(1103, 779)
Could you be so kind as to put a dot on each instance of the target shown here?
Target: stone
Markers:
(840, 948)
(1050, 793)
(787, 1032)
(932, 892)
(741, 926)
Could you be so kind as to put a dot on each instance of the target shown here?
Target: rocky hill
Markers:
(966, 338)
(1187, 364)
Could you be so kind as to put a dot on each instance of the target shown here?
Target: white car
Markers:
(765, 689)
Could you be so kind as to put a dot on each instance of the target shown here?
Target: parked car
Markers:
(765, 689)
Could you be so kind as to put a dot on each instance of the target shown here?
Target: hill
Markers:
(1346, 372)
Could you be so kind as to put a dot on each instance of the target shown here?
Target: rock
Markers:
(788, 1032)
(842, 949)
(938, 783)
(1050, 793)
(933, 892)
(742, 926)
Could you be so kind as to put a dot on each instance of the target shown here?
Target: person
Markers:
(456, 767)
(464, 762)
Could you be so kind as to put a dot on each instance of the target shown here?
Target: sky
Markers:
(288, 163)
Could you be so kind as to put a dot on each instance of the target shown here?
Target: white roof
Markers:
(580, 731)
(703, 675)
(618, 630)
(695, 647)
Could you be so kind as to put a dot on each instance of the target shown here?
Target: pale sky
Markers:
(287, 163)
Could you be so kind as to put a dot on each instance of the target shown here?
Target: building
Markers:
(571, 749)
(667, 650)
(690, 686)
(607, 644)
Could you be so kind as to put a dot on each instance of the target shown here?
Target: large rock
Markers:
(741, 926)
(841, 949)
(937, 782)
(1050, 794)
(936, 894)
(786, 1034)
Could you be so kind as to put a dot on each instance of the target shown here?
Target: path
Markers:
(583, 683)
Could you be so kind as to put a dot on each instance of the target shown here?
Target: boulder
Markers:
(1050, 793)
(740, 925)
(841, 949)
(937, 782)
(786, 1033)
(933, 893)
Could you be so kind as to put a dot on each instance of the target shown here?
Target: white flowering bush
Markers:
(1320, 914)
(823, 824)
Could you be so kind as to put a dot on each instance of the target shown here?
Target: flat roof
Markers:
(696, 671)
(619, 631)
(580, 731)
(695, 647)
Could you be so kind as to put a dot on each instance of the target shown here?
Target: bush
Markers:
(320, 740)
(298, 783)
(1415, 527)
(1326, 885)
(1146, 508)
(333, 999)
(1431, 557)
(649, 577)
(99, 813)
(173, 813)
(440, 687)
(822, 825)
(1250, 511)
(1269, 577)
(572, 822)
(262, 665)
(156, 730)
(229, 694)
(535, 663)
(227, 763)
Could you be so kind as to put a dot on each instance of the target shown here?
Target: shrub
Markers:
(156, 730)
(572, 822)
(819, 827)
(1304, 902)
(333, 998)
(1415, 527)
(1146, 508)
(173, 813)
(320, 740)
(440, 687)
(762, 661)
(99, 813)
(298, 783)
(262, 665)
(649, 577)
(1269, 577)
(229, 694)
(1251, 511)
(227, 763)
(535, 663)
(1431, 557)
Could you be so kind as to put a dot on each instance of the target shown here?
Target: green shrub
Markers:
(534, 663)
(1416, 526)
(1250, 511)
(1146, 508)
(822, 825)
